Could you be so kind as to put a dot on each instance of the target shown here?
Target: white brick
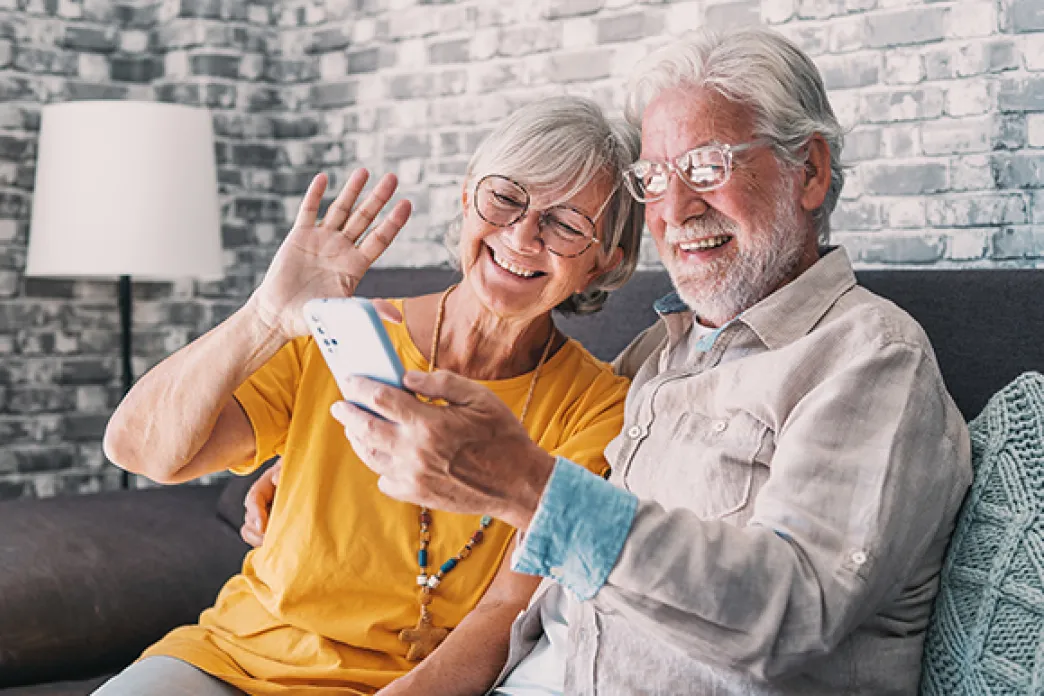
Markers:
(93, 67)
(968, 97)
(70, 9)
(901, 140)
(904, 212)
(258, 14)
(847, 34)
(945, 137)
(847, 107)
(969, 245)
(364, 30)
(971, 173)
(1033, 50)
(451, 18)
(903, 66)
(315, 14)
(133, 41)
(684, 17)
(484, 44)
(252, 66)
(626, 56)
(413, 53)
(333, 65)
(1035, 130)
(176, 64)
(578, 32)
(777, 11)
(371, 89)
(8, 230)
(968, 19)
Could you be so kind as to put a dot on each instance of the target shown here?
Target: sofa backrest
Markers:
(987, 326)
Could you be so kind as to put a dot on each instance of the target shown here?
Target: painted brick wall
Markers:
(945, 101)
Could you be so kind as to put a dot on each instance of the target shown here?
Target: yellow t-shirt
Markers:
(319, 606)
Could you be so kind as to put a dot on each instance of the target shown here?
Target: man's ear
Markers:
(815, 178)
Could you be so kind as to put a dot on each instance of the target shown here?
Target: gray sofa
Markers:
(87, 582)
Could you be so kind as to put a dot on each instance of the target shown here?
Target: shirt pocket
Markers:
(708, 463)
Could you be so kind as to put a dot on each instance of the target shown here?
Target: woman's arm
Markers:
(180, 420)
(472, 655)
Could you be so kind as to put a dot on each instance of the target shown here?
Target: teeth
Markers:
(512, 268)
(708, 243)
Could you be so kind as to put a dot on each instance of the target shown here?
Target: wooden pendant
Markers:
(423, 639)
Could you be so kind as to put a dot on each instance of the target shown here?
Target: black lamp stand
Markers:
(125, 344)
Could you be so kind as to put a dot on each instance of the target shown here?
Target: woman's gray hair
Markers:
(558, 146)
(764, 71)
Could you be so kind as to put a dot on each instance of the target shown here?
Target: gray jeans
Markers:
(165, 676)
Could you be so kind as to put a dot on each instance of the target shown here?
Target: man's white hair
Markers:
(759, 69)
(558, 146)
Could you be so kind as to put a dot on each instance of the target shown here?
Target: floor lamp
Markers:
(125, 189)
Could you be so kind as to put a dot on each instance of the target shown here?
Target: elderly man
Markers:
(791, 464)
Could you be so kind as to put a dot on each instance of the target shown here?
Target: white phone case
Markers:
(352, 339)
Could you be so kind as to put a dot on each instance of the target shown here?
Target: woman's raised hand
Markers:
(327, 258)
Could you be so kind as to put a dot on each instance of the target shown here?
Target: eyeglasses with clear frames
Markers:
(702, 169)
(566, 231)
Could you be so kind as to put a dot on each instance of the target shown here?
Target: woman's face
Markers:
(512, 270)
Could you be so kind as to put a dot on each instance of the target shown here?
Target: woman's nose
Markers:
(524, 236)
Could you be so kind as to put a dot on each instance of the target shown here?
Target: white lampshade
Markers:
(125, 188)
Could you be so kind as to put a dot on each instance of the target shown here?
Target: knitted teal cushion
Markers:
(987, 631)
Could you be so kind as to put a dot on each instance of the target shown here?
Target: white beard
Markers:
(719, 291)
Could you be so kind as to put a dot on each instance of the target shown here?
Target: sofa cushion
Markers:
(87, 582)
(987, 630)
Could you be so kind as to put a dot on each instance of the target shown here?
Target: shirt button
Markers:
(719, 426)
(634, 432)
(858, 557)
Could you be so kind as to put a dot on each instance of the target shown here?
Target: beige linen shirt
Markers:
(798, 484)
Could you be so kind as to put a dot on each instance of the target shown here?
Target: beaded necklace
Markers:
(425, 637)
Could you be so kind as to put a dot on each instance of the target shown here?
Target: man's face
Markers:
(726, 249)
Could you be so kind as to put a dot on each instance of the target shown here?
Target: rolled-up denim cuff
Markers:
(578, 530)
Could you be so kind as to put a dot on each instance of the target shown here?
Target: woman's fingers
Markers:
(341, 208)
(251, 536)
(308, 211)
(364, 214)
(374, 244)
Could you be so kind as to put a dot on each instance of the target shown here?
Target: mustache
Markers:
(709, 225)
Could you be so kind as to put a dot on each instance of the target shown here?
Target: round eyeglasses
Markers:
(701, 169)
(502, 202)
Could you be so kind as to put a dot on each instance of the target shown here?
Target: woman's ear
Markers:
(601, 268)
(815, 181)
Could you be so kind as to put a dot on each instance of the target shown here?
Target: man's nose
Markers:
(680, 203)
(524, 236)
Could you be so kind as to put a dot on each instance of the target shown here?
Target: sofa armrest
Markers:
(88, 582)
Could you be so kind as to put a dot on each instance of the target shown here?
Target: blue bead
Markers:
(422, 558)
(448, 566)
(485, 521)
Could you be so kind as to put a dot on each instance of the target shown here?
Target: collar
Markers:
(792, 311)
(787, 314)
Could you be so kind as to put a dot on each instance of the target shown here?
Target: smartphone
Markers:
(352, 339)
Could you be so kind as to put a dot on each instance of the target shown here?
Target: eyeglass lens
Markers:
(502, 202)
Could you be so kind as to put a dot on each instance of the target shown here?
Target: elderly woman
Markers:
(352, 590)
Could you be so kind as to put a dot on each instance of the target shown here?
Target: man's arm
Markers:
(472, 655)
(850, 508)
